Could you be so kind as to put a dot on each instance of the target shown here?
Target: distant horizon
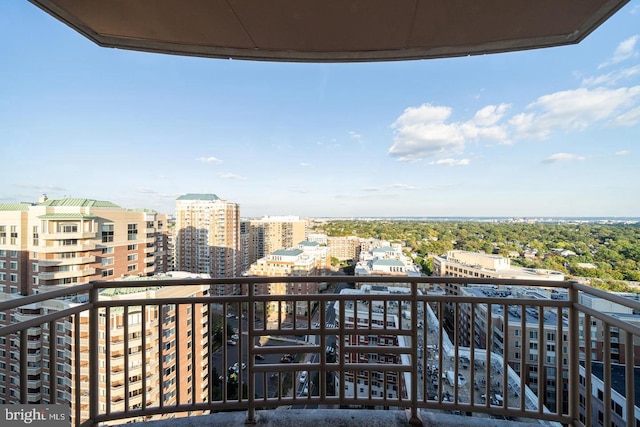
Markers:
(549, 132)
(539, 218)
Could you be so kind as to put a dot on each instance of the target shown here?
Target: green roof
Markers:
(308, 243)
(126, 291)
(66, 216)
(80, 203)
(22, 207)
(391, 262)
(197, 196)
(287, 252)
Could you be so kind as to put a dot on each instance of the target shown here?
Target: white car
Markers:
(303, 377)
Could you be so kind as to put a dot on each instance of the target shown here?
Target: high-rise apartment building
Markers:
(60, 242)
(65, 242)
(305, 259)
(270, 233)
(473, 264)
(207, 237)
(172, 369)
(357, 314)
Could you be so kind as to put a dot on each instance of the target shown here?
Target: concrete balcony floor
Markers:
(331, 417)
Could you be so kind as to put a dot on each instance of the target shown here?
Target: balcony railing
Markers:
(395, 349)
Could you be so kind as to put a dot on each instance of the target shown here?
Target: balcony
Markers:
(80, 247)
(55, 275)
(67, 261)
(395, 350)
(69, 235)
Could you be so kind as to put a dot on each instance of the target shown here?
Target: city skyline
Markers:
(547, 132)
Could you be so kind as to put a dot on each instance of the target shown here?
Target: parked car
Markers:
(303, 377)
(235, 337)
(286, 358)
(231, 342)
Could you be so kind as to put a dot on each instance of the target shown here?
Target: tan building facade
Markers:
(207, 238)
(270, 233)
(307, 259)
(60, 243)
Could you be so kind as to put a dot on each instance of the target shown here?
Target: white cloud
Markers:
(613, 77)
(573, 109)
(146, 191)
(404, 186)
(305, 164)
(371, 189)
(489, 115)
(298, 190)
(354, 135)
(562, 157)
(625, 50)
(630, 118)
(229, 175)
(422, 132)
(622, 153)
(209, 159)
(45, 187)
(451, 162)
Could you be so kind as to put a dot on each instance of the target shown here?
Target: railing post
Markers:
(94, 377)
(414, 420)
(251, 412)
(574, 354)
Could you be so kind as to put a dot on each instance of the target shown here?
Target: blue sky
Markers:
(548, 132)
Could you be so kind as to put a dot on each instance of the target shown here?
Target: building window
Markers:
(107, 233)
(14, 234)
(3, 235)
(108, 250)
(132, 257)
(14, 265)
(132, 247)
(13, 278)
(107, 261)
(132, 267)
(69, 228)
(132, 231)
(106, 273)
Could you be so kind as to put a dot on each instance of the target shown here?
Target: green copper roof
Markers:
(80, 203)
(196, 196)
(126, 291)
(22, 207)
(391, 262)
(66, 216)
(287, 252)
(308, 243)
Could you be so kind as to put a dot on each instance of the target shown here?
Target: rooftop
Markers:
(195, 196)
(79, 202)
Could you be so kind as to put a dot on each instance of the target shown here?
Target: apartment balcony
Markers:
(70, 235)
(80, 247)
(387, 350)
(67, 261)
(55, 275)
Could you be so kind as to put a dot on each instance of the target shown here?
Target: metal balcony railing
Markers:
(394, 344)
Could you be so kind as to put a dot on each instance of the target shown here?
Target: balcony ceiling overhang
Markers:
(332, 30)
